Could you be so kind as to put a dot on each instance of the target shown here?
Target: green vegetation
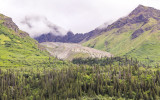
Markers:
(118, 42)
(29, 73)
(17, 51)
(77, 55)
(106, 78)
(3, 39)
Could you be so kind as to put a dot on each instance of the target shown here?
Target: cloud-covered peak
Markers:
(36, 25)
(105, 25)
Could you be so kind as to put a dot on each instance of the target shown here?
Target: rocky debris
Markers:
(63, 50)
(137, 33)
(10, 24)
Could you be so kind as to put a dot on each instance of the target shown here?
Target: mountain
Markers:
(70, 37)
(136, 35)
(16, 47)
(70, 50)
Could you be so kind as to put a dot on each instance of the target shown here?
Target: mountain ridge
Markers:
(70, 37)
(136, 35)
(142, 13)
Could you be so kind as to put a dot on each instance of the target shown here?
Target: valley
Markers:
(136, 35)
(117, 62)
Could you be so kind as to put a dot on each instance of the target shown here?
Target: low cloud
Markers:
(37, 25)
(79, 16)
(105, 25)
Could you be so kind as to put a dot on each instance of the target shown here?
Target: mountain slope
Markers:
(16, 47)
(70, 37)
(136, 35)
(69, 51)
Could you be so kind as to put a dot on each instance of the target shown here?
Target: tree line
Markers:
(110, 77)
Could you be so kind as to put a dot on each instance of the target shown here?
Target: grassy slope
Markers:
(145, 46)
(17, 51)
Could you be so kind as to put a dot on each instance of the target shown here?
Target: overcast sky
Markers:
(79, 16)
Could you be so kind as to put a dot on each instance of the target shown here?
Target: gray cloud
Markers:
(105, 25)
(80, 16)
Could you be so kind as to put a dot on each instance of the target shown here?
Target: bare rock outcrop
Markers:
(137, 33)
(10, 24)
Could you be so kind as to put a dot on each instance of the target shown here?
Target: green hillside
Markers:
(136, 35)
(27, 72)
(16, 47)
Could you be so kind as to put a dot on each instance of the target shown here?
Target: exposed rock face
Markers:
(138, 19)
(137, 33)
(10, 24)
(69, 37)
(67, 50)
(141, 14)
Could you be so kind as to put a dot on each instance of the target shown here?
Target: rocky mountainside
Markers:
(136, 35)
(69, 51)
(70, 37)
(141, 14)
(7, 22)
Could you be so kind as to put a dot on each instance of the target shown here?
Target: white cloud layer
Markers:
(80, 16)
(37, 25)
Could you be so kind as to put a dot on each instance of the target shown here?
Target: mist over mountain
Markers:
(37, 25)
(133, 32)
(118, 60)
(71, 37)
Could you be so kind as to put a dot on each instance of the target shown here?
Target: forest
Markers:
(91, 78)
(129, 69)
